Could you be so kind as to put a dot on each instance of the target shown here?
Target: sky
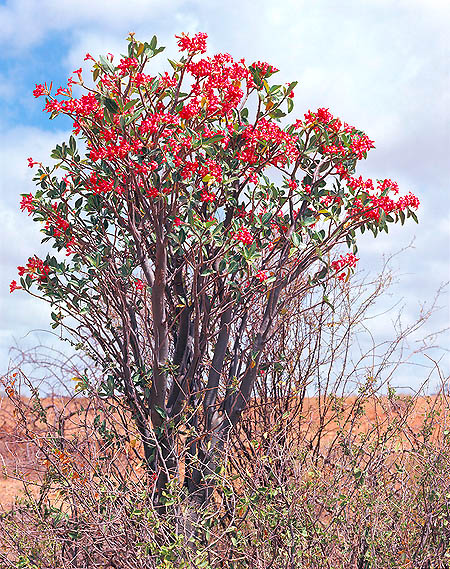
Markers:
(382, 65)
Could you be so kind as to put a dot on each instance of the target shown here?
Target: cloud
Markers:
(25, 23)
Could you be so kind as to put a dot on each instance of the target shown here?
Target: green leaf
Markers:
(175, 64)
(291, 87)
(266, 217)
(213, 139)
(134, 116)
(130, 104)
(308, 221)
(111, 105)
(322, 273)
(154, 85)
(256, 76)
(161, 412)
(295, 240)
(106, 64)
(277, 113)
(72, 144)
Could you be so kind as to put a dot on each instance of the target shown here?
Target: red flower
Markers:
(244, 236)
(140, 285)
(197, 44)
(78, 72)
(213, 169)
(348, 260)
(13, 286)
(264, 68)
(152, 192)
(208, 196)
(40, 90)
(35, 268)
(69, 247)
(26, 204)
(127, 64)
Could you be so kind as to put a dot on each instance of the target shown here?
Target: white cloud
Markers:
(25, 23)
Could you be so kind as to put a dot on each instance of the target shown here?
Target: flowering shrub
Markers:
(178, 242)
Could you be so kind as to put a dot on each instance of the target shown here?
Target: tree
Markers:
(188, 220)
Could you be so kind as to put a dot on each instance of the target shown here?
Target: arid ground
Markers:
(18, 457)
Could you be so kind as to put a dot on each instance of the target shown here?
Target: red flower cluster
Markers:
(271, 136)
(152, 192)
(212, 169)
(325, 118)
(40, 90)
(197, 44)
(377, 204)
(35, 268)
(264, 68)
(244, 236)
(101, 186)
(128, 65)
(261, 276)
(56, 222)
(344, 261)
(85, 106)
(119, 150)
(26, 204)
(208, 196)
(152, 123)
(139, 284)
(189, 169)
(360, 144)
(13, 286)
(70, 247)
(216, 90)
(31, 163)
(326, 201)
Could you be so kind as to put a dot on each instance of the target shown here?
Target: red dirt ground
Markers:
(18, 458)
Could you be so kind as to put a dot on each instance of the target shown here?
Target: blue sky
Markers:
(379, 64)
